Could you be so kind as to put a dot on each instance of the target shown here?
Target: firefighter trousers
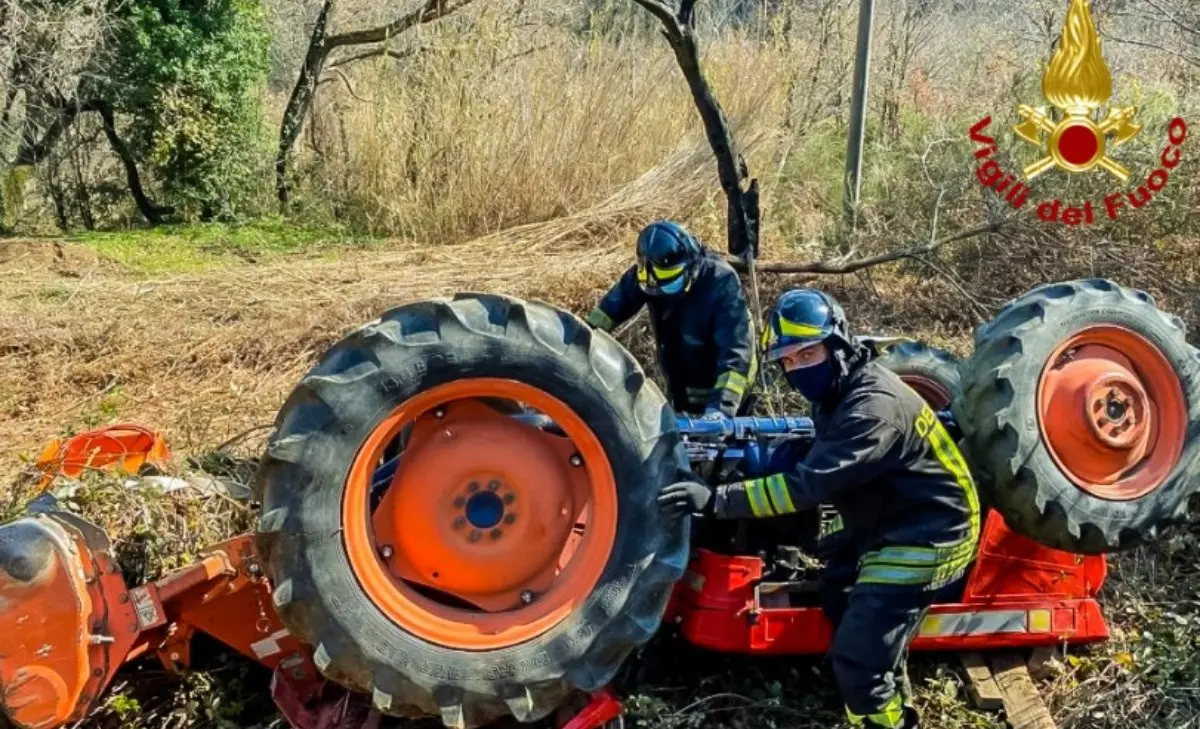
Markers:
(874, 625)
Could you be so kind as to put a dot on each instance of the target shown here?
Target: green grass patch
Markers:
(183, 248)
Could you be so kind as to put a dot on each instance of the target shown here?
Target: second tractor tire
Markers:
(1030, 449)
(931, 371)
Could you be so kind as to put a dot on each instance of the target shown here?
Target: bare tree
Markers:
(741, 192)
(320, 47)
(45, 52)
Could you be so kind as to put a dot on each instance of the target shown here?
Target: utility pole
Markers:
(858, 113)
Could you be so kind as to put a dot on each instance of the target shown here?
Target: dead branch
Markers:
(1173, 18)
(384, 51)
(430, 11)
(1193, 60)
(35, 148)
(349, 87)
(741, 192)
(835, 268)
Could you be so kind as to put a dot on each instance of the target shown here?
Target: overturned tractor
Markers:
(458, 517)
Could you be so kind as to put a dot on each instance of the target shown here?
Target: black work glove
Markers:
(685, 497)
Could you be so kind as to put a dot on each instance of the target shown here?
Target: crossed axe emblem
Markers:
(1076, 142)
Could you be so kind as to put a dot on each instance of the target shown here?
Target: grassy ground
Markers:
(205, 344)
(185, 249)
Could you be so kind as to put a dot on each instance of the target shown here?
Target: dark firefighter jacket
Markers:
(705, 339)
(882, 458)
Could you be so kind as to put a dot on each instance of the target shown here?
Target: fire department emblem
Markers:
(1077, 82)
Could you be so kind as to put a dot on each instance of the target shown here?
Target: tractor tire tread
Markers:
(334, 407)
(1003, 441)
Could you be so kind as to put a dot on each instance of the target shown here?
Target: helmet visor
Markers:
(661, 279)
(788, 346)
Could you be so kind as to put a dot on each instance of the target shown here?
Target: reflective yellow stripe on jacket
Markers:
(932, 566)
(769, 496)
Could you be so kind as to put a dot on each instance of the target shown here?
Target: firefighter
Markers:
(905, 497)
(698, 313)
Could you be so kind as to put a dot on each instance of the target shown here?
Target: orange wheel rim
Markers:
(1112, 412)
(930, 390)
(505, 528)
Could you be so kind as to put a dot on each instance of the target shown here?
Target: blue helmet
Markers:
(668, 256)
(802, 318)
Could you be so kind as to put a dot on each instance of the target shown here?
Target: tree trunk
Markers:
(301, 99)
(731, 167)
(153, 213)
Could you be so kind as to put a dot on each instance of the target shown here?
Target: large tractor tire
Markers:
(502, 567)
(932, 372)
(1081, 415)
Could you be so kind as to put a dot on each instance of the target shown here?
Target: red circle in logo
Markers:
(1078, 144)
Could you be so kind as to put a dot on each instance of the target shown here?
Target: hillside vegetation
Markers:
(516, 147)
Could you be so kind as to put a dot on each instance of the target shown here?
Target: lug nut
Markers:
(460, 522)
(510, 519)
(475, 535)
(527, 597)
(460, 502)
(576, 460)
(493, 485)
(386, 551)
(496, 533)
(473, 487)
(509, 498)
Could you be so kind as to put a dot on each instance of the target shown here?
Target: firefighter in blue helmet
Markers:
(698, 312)
(906, 499)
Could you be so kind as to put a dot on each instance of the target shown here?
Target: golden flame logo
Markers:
(1077, 81)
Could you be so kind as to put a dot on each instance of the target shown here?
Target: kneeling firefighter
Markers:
(904, 494)
(698, 312)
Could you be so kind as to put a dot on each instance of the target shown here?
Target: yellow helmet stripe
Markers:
(792, 329)
(668, 272)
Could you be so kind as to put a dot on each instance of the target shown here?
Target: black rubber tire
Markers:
(998, 415)
(354, 386)
(911, 358)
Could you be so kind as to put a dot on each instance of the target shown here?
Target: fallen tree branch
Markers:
(827, 267)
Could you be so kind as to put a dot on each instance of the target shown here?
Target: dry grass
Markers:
(207, 354)
(420, 150)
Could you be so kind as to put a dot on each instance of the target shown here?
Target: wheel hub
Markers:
(490, 530)
(1098, 410)
(1116, 409)
(1111, 412)
(445, 512)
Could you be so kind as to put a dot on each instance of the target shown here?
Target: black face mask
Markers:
(814, 382)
